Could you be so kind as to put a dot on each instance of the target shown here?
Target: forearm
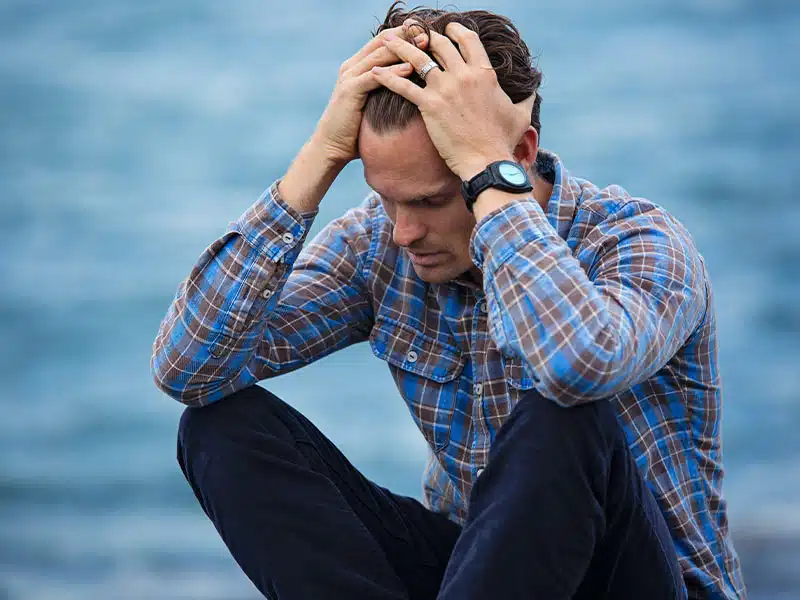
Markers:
(213, 327)
(309, 177)
(588, 322)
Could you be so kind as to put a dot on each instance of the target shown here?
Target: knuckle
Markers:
(383, 53)
(431, 106)
(437, 102)
(384, 35)
(469, 78)
(412, 28)
(489, 75)
(347, 87)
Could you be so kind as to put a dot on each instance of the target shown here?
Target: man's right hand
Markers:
(334, 142)
(338, 128)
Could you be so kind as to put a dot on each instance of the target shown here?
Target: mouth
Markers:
(427, 259)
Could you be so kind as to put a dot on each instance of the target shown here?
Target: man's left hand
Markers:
(470, 119)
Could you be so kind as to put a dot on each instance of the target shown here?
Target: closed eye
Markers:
(433, 201)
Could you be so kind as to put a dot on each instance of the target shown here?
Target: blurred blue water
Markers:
(131, 133)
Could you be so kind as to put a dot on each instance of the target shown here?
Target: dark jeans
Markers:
(560, 511)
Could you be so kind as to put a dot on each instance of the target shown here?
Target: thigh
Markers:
(417, 542)
(560, 511)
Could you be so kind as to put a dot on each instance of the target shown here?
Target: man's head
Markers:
(420, 194)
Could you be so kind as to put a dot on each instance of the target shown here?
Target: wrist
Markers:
(309, 177)
(472, 167)
(321, 152)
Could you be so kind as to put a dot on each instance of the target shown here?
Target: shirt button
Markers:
(478, 389)
(412, 357)
(478, 472)
(266, 293)
(483, 307)
(287, 238)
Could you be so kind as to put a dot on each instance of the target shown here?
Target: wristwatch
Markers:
(504, 175)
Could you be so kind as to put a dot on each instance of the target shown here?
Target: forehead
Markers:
(403, 163)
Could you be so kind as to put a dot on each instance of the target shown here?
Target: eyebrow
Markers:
(433, 194)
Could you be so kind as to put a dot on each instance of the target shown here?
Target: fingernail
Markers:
(420, 38)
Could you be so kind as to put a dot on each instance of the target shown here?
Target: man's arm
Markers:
(248, 311)
(588, 335)
(243, 314)
(584, 335)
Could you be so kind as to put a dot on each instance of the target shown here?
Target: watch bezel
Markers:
(492, 177)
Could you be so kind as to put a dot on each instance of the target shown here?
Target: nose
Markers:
(407, 228)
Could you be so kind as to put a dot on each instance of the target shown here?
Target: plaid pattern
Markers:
(602, 296)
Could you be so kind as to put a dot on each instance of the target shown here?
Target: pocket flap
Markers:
(401, 346)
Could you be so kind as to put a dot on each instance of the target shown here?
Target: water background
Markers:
(131, 133)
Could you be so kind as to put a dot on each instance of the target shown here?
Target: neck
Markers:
(542, 189)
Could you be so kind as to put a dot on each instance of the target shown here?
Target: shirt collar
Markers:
(566, 191)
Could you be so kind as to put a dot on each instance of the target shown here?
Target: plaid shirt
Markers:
(602, 295)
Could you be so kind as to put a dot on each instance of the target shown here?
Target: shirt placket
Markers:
(480, 341)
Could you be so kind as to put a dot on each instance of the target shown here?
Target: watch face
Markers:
(512, 173)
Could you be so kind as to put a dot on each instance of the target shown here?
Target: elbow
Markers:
(181, 381)
(167, 383)
(577, 389)
(165, 379)
(575, 379)
(170, 380)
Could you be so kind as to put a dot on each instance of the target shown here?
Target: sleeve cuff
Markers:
(274, 228)
(503, 232)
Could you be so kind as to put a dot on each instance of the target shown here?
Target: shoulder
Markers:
(635, 235)
(613, 210)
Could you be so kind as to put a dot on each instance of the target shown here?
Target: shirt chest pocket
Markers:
(426, 373)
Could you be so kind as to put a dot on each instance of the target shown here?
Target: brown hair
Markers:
(385, 110)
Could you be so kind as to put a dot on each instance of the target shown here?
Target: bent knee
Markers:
(599, 417)
(230, 417)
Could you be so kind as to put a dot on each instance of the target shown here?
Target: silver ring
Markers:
(423, 72)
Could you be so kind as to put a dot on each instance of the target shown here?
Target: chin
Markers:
(437, 274)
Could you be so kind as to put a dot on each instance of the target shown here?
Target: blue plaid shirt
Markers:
(602, 295)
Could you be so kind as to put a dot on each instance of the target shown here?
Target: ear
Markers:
(527, 148)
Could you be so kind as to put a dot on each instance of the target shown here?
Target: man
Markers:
(555, 343)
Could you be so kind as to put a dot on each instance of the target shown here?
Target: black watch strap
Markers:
(492, 176)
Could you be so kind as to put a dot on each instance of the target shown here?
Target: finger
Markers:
(366, 82)
(411, 54)
(413, 27)
(445, 52)
(469, 44)
(389, 78)
(375, 43)
(380, 57)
